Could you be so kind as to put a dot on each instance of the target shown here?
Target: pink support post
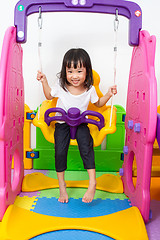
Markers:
(11, 120)
(140, 123)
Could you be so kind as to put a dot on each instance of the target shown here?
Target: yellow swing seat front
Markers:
(98, 136)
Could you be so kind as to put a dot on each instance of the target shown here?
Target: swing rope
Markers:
(39, 45)
(40, 37)
(116, 24)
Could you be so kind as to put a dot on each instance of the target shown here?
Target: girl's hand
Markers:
(41, 76)
(112, 90)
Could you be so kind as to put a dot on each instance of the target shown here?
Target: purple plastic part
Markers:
(125, 149)
(137, 127)
(150, 214)
(158, 129)
(130, 124)
(121, 172)
(127, 9)
(73, 118)
(49, 119)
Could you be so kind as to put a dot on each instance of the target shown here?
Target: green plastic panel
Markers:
(110, 159)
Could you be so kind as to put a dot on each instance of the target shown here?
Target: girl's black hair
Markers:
(76, 56)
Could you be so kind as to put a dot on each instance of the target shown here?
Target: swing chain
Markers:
(116, 21)
(40, 18)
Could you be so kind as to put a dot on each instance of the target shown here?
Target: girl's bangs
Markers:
(77, 62)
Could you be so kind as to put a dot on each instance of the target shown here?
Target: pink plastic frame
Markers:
(11, 120)
(140, 123)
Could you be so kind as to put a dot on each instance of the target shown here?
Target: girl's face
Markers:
(76, 76)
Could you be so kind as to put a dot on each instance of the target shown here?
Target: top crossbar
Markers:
(130, 10)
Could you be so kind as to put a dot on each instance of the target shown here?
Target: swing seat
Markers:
(98, 136)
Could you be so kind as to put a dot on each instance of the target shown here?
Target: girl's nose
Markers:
(74, 75)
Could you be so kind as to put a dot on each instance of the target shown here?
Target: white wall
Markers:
(94, 32)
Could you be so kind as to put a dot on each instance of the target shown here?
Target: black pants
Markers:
(62, 140)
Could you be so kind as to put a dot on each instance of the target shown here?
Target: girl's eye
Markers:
(79, 71)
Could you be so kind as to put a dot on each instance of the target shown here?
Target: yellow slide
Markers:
(21, 224)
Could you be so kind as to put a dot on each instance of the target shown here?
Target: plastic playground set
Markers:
(28, 185)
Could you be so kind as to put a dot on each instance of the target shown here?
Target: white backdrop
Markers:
(93, 32)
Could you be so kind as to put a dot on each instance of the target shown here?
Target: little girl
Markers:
(75, 89)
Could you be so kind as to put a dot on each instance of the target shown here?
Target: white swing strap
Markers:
(116, 24)
(39, 45)
(40, 38)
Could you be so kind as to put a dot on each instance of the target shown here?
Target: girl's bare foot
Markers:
(63, 198)
(89, 195)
